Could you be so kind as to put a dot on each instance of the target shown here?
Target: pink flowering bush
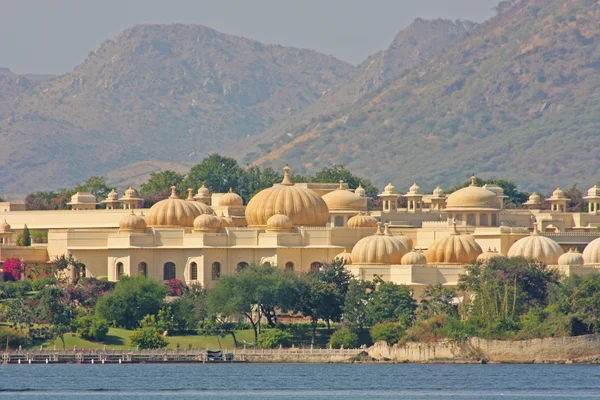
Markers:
(12, 269)
(177, 286)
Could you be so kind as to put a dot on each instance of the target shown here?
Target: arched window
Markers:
(193, 271)
(315, 266)
(169, 271)
(216, 271)
(339, 220)
(289, 266)
(143, 269)
(119, 270)
(241, 266)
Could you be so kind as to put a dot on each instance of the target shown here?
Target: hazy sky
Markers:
(53, 36)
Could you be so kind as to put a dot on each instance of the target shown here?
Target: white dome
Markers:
(591, 253)
(414, 258)
(489, 255)
(345, 257)
(571, 258)
(536, 247)
(360, 191)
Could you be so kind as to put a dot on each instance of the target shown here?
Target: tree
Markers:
(254, 293)
(95, 185)
(254, 180)
(390, 302)
(355, 304)
(64, 263)
(218, 173)
(436, 299)
(335, 274)
(576, 202)
(26, 241)
(585, 302)
(273, 338)
(345, 338)
(161, 182)
(148, 338)
(57, 312)
(92, 327)
(13, 269)
(131, 300)
(317, 299)
(390, 332)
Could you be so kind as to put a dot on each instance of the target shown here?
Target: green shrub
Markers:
(390, 332)
(148, 338)
(92, 327)
(40, 283)
(12, 338)
(273, 338)
(343, 337)
(9, 290)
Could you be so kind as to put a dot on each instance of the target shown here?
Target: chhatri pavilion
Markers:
(203, 236)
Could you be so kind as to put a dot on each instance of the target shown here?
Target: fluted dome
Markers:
(415, 189)
(378, 249)
(438, 192)
(454, 249)
(558, 193)
(360, 191)
(414, 258)
(132, 223)
(389, 188)
(279, 223)
(344, 200)
(536, 247)
(472, 197)
(534, 199)
(226, 222)
(207, 223)
(231, 199)
(572, 257)
(594, 191)
(203, 193)
(5, 227)
(400, 238)
(591, 253)
(203, 208)
(362, 220)
(113, 196)
(302, 205)
(345, 257)
(489, 255)
(173, 212)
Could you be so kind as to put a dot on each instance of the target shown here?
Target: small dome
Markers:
(360, 191)
(558, 193)
(489, 255)
(454, 249)
(113, 196)
(536, 247)
(389, 188)
(414, 189)
(345, 257)
(591, 253)
(231, 199)
(5, 227)
(131, 192)
(226, 222)
(438, 192)
(594, 191)
(302, 205)
(378, 249)
(473, 197)
(132, 223)
(535, 198)
(362, 220)
(400, 238)
(207, 223)
(279, 223)
(173, 212)
(414, 258)
(203, 193)
(344, 200)
(572, 257)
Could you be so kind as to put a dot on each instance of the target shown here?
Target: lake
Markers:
(299, 381)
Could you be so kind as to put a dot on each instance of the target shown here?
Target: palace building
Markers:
(201, 237)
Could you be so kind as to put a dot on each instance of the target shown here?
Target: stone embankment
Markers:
(578, 349)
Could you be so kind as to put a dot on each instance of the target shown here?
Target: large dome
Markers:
(172, 212)
(536, 247)
(344, 200)
(400, 238)
(378, 249)
(472, 197)
(303, 206)
(203, 208)
(454, 249)
(591, 253)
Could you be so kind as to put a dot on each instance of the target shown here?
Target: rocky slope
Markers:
(156, 92)
(518, 97)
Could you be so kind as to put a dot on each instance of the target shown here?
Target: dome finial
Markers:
(454, 226)
(190, 194)
(535, 228)
(378, 232)
(287, 181)
(473, 180)
(341, 185)
(386, 230)
(173, 193)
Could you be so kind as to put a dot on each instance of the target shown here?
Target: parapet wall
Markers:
(552, 350)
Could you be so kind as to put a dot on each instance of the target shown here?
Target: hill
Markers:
(155, 92)
(516, 97)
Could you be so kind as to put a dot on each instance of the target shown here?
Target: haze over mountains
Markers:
(515, 97)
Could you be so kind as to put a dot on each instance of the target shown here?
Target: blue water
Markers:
(299, 381)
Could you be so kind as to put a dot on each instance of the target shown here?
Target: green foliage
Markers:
(390, 302)
(548, 322)
(12, 339)
(437, 299)
(354, 310)
(91, 327)
(159, 182)
(41, 283)
(148, 338)
(131, 300)
(56, 311)
(95, 185)
(218, 173)
(345, 338)
(14, 289)
(272, 338)
(585, 302)
(391, 332)
(317, 299)
(26, 240)
(339, 172)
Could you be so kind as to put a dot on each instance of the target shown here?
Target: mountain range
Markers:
(514, 97)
